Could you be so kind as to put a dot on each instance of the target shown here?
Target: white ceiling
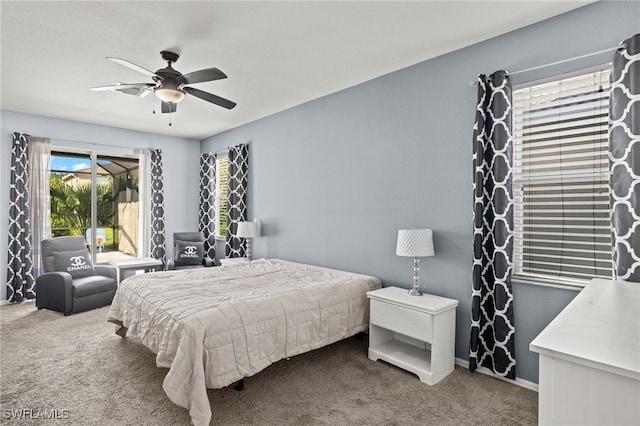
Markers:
(276, 54)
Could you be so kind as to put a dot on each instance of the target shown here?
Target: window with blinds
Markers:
(222, 177)
(561, 215)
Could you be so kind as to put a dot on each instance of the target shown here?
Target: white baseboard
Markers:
(520, 382)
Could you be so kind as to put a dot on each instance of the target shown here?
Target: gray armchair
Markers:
(71, 284)
(188, 251)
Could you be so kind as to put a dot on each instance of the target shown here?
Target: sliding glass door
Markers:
(96, 196)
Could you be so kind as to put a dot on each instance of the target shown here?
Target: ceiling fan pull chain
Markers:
(170, 114)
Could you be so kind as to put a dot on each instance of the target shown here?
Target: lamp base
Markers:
(415, 291)
(248, 251)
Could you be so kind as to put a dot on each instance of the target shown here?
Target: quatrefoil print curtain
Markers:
(158, 237)
(492, 327)
(237, 199)
(207, 214)
(624, 159)
(20, 278)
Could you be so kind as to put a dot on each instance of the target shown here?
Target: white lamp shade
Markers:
(415, 243)
(247, 230)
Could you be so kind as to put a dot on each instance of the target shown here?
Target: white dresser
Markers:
(415, 333)
(590, 358)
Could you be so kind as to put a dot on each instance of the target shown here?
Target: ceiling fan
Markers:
(170, 85)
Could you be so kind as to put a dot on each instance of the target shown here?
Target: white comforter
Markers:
(214, 326)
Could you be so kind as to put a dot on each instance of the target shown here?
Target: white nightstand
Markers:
(233, 260)
(415, 333)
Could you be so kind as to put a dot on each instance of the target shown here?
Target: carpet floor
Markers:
(76, 369)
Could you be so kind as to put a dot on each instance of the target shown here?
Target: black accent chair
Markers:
(188, 251)
(71, 284)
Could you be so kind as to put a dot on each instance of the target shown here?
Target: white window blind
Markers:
(561, 215)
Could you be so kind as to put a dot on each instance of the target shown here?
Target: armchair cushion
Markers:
(86, 286)
(188, 253)
(76, 262)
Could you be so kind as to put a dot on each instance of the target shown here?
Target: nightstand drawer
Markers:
(415, 324)
(384, 314)
(401, 320)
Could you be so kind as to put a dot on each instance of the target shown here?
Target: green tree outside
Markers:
(71, 206)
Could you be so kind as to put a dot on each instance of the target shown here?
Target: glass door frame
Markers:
(93, 155)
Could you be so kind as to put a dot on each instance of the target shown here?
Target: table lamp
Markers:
(415, 243)
(247, 230)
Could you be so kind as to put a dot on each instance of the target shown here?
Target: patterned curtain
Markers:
(624, 159)
(207, 212)
(20, 279)
(158, 238)
(236, 198)
(492, 327)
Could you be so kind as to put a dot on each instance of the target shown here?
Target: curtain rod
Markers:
(566, 60)
(224, 151)
(217, 152)
(575, 58)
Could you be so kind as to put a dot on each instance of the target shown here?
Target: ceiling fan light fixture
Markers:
(169, 95)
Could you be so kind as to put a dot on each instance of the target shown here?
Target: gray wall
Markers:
(333, 180)
(180, 159)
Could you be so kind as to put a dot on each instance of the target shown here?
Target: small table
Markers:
(415, 333)
(146, 264)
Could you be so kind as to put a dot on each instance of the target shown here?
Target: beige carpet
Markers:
(79, 367)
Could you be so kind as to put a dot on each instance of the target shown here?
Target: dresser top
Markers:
(599, 328)
(400, 296)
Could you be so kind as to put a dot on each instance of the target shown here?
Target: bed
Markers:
(213, 327)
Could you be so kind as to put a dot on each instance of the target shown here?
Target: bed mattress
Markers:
(214, 326)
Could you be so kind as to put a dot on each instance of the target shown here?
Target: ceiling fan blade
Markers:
(122, 86)
(224, 103)
(169, 107)
(200, 76)
(133, 67)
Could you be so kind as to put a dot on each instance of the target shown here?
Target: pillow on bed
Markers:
(77, 263)
(188, 253)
